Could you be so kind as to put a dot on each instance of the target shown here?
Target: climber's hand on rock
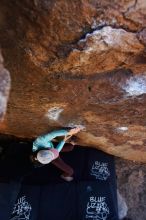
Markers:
(74, 131)
(71, 132)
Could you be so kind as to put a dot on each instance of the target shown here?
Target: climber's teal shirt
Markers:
(44, 141)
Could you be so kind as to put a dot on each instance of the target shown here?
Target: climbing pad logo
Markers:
(21, 210)
(100, 170)
(97, 208)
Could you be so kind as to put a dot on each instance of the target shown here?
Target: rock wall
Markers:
(131, 180)
(4, 88)
(79, 62)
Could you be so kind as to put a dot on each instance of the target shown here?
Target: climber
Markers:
(45, 152)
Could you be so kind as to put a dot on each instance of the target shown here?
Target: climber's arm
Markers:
(60, 145)
(67, 136)
(54, 134)
(43, 140)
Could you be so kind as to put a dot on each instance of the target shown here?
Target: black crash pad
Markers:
(40, 194)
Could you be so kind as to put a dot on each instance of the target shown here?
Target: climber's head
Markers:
(46, 156)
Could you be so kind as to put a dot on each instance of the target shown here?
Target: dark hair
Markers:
(35, 162)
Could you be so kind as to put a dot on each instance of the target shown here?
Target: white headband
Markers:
(45, 156)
